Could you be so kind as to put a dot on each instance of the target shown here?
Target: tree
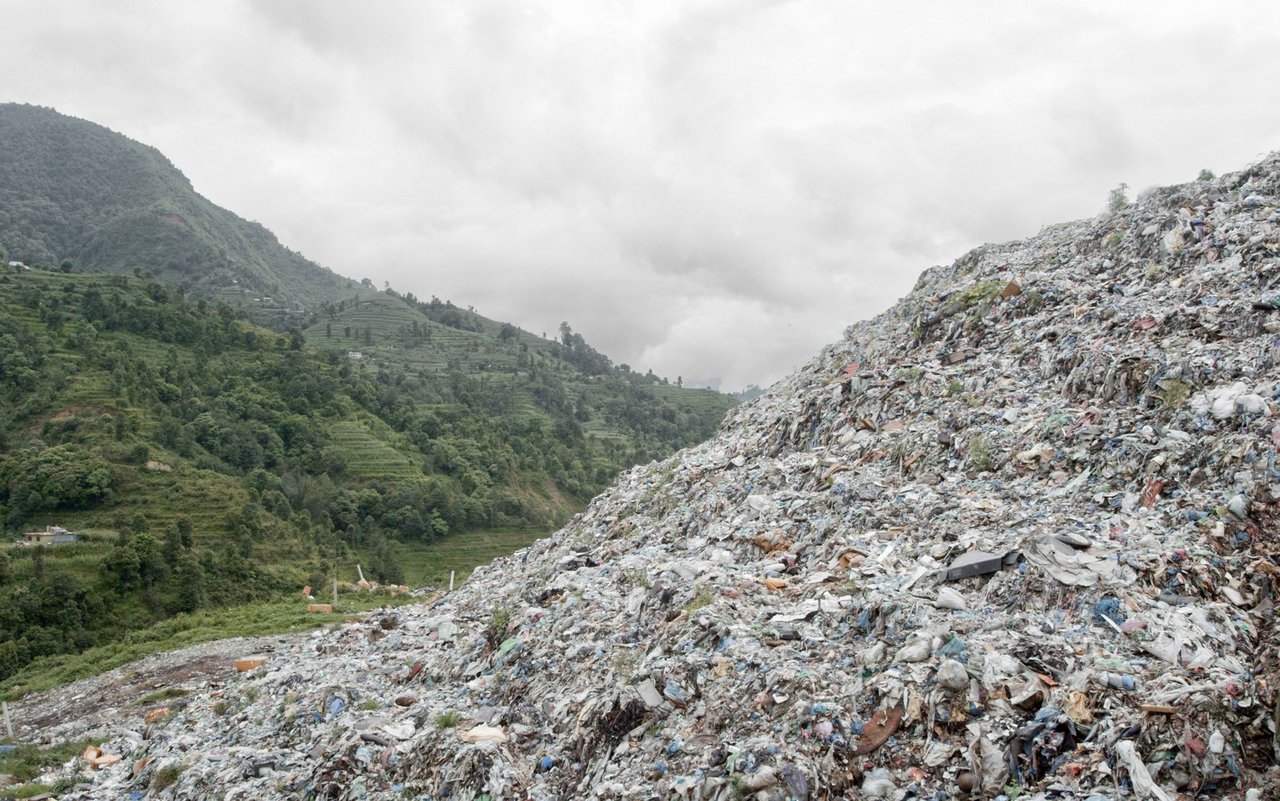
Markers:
(122, 565)
(383, 562)
(189, 580)
(1117, 199)
(508, 332)
(184, 528)
(1205, 175)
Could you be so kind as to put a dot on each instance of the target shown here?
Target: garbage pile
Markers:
(1013, 538)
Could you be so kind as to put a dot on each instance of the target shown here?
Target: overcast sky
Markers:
(708, 189)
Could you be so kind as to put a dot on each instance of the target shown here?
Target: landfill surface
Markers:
(1013, 538)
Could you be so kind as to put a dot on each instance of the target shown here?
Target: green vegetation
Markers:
(180, 631)
(163, 695)
(1118, 199)
(983, 294)
(498, 625)
(447, 720)
(206, 462)
(981, 454)
(430, 563)
(29, 761)
(701, 600)
(166, 776)
(79, 196)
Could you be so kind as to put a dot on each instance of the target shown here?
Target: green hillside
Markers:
(71, 190)
(504, 371)
(206, 461)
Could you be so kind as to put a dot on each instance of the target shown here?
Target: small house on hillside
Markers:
(52, 535)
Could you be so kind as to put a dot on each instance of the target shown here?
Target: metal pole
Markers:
(451, 572)
(8, 724)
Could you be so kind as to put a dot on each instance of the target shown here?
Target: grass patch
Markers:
(26, 790)
(703, 599)
(163, 695)
(983, 293)
(250, 620)
(447, 720)
(429, 564)
(166, 776)
(29, 761)
(498, 625)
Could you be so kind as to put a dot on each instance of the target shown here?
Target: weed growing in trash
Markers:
(499, 622)
(447, 720)
(703, 598)
(163, 695)
(981, 454)
(166, 776)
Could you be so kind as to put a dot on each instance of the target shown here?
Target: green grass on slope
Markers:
(429, 565)
(369, 457)
(180, 631)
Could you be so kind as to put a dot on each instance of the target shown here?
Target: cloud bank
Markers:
(708, 189)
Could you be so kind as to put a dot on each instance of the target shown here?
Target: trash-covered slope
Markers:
(1015, 535)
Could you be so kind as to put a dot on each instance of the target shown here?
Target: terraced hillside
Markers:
(509, 373)
(206, 461)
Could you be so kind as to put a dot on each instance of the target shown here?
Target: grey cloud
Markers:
(709, 189)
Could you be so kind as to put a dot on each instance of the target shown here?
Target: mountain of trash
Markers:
(1013, 538)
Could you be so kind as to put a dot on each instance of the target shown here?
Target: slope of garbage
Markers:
(1015, 537)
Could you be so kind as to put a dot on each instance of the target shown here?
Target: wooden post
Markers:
(451, 572)
(8, 724)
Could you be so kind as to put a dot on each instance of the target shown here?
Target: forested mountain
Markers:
(211, 461)
(208, 460)
(71, 190)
